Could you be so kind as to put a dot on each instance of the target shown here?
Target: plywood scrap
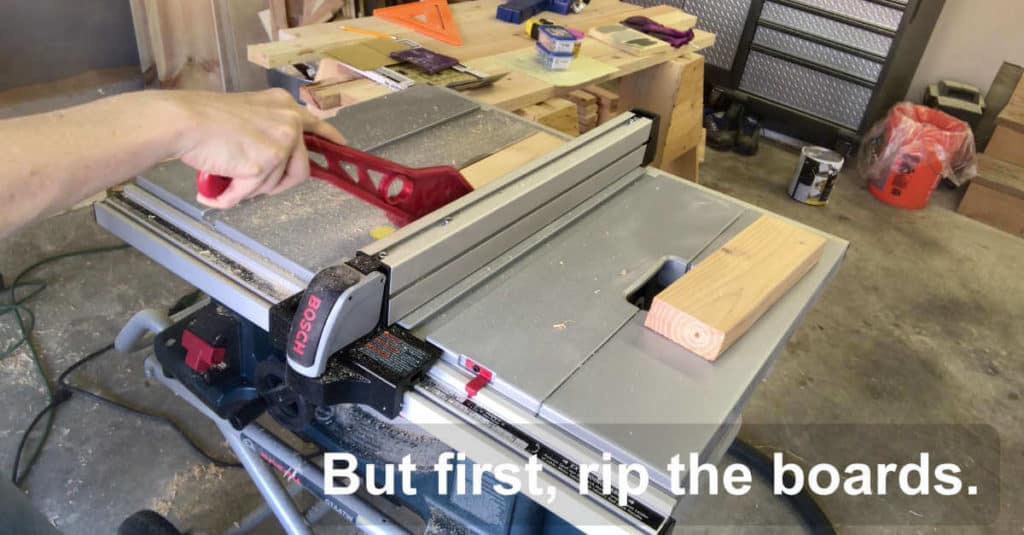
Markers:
(629, 40)
(717, 301)
(510, 158)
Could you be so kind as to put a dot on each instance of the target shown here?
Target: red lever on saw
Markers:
(405, 194)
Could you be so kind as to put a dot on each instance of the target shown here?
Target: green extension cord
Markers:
(25, 320)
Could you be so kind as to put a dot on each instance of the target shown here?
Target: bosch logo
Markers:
(305, 325)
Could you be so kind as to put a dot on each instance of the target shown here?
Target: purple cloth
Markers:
(428, 61)
(671, 36)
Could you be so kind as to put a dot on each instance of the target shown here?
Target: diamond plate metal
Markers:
(820, 54)
(805, 89)
(725, 18)
(830, 29)
(863, 10)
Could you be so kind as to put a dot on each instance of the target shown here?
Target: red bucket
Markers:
(917, 147)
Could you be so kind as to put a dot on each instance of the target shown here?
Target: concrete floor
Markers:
(921, 325)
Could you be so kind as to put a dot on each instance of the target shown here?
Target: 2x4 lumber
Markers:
(715, 303)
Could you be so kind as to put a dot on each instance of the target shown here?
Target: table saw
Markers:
(505, 324)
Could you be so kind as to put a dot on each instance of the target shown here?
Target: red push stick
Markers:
(406, 194)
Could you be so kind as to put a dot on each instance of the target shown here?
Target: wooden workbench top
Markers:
(485, 38)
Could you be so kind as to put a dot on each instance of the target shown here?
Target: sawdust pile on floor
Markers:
(17, 369)
(197, 475)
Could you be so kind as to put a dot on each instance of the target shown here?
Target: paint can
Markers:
(816, 175)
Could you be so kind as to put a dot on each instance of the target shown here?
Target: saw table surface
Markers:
(315, 225)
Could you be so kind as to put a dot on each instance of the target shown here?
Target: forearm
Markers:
(51, 161)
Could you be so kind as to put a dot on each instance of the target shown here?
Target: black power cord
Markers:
(62, 391)
(803, 503)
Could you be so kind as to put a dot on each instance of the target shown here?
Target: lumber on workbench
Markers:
(607, 102)
(557, 113)
(586, 108)
(711, 306)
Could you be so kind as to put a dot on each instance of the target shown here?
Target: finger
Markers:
(315, 125)
(271, 180)
(297, 170)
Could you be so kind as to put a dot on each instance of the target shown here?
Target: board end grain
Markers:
(718, 300)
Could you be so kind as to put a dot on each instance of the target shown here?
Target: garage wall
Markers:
(45, 40)
(970, 42)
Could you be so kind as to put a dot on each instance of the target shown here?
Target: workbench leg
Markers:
(686, 166)
(675, 91)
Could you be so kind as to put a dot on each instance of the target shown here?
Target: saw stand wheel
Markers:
(287, 406)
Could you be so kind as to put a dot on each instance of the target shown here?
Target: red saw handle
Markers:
(406, 194)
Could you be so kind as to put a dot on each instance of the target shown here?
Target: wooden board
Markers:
(557, 113)
(1006, 144)
(583, 70)
(582, 98)
(1012, 115)
(510, 158)
(608, 102)
(1000, 175)
(994, 208)
(996, 196)
(628, 40)
(710, 307)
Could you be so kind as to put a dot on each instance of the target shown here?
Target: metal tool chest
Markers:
(820, 70)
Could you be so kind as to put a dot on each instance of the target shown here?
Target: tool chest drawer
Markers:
(865, 11)
(828, 57)
(829, 29)
(808, 90)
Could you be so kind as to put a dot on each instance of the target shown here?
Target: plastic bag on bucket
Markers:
(904, 156)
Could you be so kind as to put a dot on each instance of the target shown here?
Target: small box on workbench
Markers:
(556, 39)
(553, 61)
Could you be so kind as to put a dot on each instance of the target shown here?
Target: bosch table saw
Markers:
(506, 324)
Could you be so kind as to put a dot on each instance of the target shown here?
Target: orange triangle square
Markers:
(430, 17)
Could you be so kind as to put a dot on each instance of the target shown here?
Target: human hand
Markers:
(254, 138)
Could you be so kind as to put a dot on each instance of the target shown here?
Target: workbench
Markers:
(669, 84)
